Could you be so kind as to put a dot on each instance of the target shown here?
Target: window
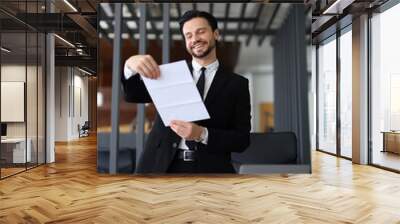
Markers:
(385, 89)
(327, 96)
(346, 93)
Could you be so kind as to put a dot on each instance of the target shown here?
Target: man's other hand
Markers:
(187, 130)
(145, 65)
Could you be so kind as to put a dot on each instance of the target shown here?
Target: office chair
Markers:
(84, 130)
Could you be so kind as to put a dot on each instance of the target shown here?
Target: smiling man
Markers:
(195, 147)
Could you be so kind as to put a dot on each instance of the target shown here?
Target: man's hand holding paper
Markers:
(173, 91)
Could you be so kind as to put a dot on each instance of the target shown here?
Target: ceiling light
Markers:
(84, 71)
(70, 5)
(5, 50)
(104, 25)
(337, 7)
(65, 41)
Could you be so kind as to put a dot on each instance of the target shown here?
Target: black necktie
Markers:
(200, 86)
(201, 82)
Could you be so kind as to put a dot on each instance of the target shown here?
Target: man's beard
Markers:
(205, 53)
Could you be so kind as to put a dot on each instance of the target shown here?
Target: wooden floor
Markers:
(386, 159)
(10, 171)
(70, 191)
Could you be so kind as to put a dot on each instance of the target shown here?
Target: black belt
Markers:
(186, 155)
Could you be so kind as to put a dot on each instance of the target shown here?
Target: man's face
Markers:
(199, 37)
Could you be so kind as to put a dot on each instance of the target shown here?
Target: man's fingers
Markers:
(148, 69)
(181, 123)
(180, 130)
(145, 65)
(174, 127)
(140, 71)
(154, 66)
(145, 71)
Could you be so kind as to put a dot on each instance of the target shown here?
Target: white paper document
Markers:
(175, 94)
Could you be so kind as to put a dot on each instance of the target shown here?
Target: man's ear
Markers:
(216, 34)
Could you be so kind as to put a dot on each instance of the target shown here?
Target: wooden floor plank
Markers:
(71, 191)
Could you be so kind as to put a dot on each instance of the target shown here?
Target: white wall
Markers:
(17, 73)
(33, 126)
(71, 93)
(261, 87)
(263, 92)
(61, 103)
(256, 64)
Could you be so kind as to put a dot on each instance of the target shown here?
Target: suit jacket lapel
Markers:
(217, 85)
(219, 81)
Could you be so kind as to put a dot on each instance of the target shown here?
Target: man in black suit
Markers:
(195, 147)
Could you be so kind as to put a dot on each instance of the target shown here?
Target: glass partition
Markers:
(22, 89)
(14, 153)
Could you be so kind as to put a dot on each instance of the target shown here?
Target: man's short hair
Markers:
(212, 21)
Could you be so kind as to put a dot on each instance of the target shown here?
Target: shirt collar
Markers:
(209, 67)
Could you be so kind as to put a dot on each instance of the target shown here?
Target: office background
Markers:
(253, 43)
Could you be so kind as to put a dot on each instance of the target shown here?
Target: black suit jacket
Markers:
(227, 102)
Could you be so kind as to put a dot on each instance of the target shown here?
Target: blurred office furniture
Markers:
(84, 129)
(126, 162)
(3, 130)
(266, 149)
(266, 117)
(13, 151)
(391, 141)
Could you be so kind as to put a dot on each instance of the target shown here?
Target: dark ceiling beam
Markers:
(178, 8)
(242, 12)
(104, 34)
(260, 8)
(49, 22)
(227, 7)
(63, 7)
(131, 9)
(211, 8)
(64, 51)
(85, 48)
(88, 70)
(84, 24)
(11, 25)
(194, 6)
(16, 18)
(77, 17)
(124, 23)
(257, 32)
(91, 5)
(176, 19)
(271, 20)
(85, 61)
(153, 27)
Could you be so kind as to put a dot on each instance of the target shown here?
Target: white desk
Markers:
(19, 149)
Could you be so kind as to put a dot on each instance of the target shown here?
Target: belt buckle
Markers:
(186, 156)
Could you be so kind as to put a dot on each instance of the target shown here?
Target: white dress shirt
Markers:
(211, 70)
